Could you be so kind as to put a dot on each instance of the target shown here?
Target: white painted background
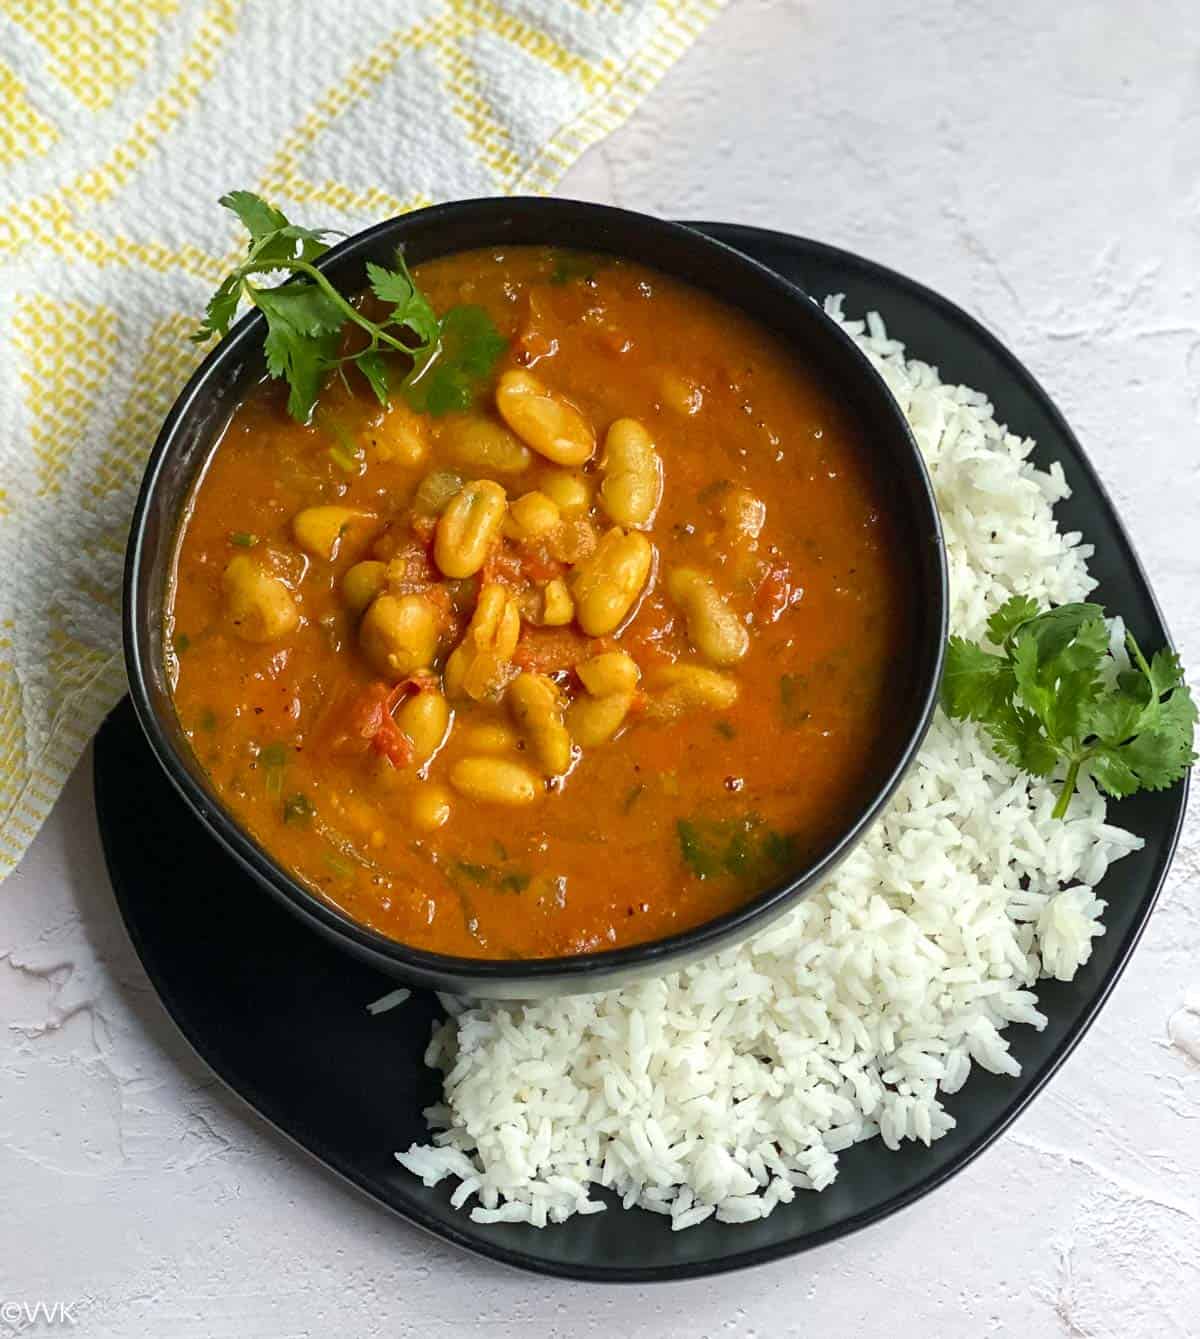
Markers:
(1040, 163)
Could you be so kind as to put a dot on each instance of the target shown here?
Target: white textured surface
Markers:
(1040, 164)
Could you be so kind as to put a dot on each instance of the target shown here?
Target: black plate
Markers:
(280, 1015)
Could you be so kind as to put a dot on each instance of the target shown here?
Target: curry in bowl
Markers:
(582, 658)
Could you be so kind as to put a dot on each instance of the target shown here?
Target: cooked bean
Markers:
(479, 665)
(570, 492)
(680, 688)
(495, 738)
(543, 419)
(681, 393)
(557, 608)
(430, 808)
(425, 719)
(260, 606)
(483, 444)
(609, 581)
(609, 672)
(537, 708)
(398, 634)
(469, 527)
(361, 584)
(319, 530)
(594, 720)
(633, 479)
(531, 515)
(493, 780)
(713, 628)
(399, 437)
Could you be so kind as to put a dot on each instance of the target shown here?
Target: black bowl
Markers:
(194, 426)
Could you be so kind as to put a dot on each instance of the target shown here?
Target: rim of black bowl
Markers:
(568, 972)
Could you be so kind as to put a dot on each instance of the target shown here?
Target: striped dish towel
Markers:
(121, 125)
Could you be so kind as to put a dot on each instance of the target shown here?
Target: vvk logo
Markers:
(25, 1315)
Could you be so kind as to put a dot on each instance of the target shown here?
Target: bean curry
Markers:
(586, 664)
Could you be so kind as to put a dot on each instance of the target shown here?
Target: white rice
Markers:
(721, 1090)
(392, 1000)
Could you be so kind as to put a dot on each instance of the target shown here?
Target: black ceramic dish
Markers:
(197, 420)
(279, 1013)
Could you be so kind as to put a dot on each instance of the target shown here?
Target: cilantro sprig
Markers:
(1052, 696)
(445, 359)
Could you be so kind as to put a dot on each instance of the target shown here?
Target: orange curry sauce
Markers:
(696, 801)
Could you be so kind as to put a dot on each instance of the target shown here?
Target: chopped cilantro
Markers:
(489, 876)
(793, 694)
(573, 265)
(273, 755)
(742, 848)
(297, 809)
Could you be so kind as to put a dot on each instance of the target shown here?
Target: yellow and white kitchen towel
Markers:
(121, 122)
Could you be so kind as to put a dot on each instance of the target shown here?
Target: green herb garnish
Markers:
(793, 694)
(181, 643)
(297, 809)
(743, 848)
(725, 729)
(489, 876)
(243, 539)
(1050, 698)
(475, 873)
(342, 868)
(274, 759)
(306, 317)
(446, 379)
(571, 265)
(208, 719)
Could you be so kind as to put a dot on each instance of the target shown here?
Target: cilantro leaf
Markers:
(302, 341)
(1054, 629)
(289, 243)
(466, 352)
(1111, 771)
(489, 876)
(373, 367)
(1009, 617)
(975, 682)
(742, 848)
(221, 309)
(1048, 700)
(410, 307)
(258, 218)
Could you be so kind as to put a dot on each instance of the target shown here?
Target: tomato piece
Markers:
(550, 650)
(392, 742)
(538, 565)
(365, 721)
(776, 593)
(504, 568)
